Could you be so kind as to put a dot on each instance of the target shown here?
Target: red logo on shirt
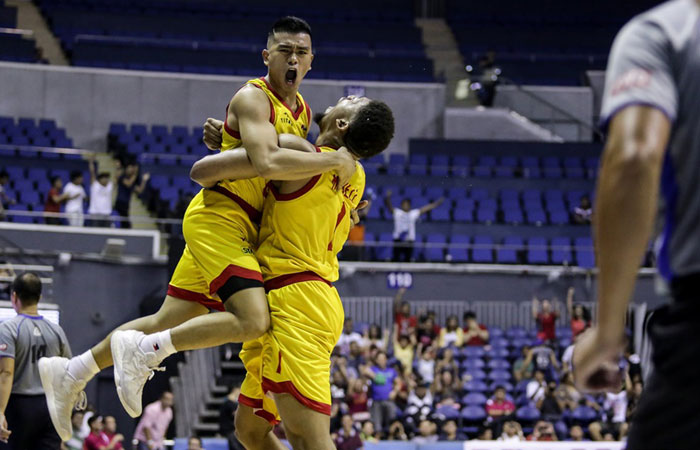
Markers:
(3, 347)
(633, 78)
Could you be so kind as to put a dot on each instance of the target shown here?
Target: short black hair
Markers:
(469, 315)
(290, 24)
(27, 286)
(92, 419)
(4, 174)
(54, 178)
(371, 130)
(75, 174)
(103, 175)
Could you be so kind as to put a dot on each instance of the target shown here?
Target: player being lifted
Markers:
(305, 223)
(218, 268)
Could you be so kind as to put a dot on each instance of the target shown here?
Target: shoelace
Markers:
(81, 403)
(153, 372)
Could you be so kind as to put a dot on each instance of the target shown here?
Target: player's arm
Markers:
(235, 165)
(252, 110)
(431, 206)
(627, 197)
(7, 373)
(387, 202)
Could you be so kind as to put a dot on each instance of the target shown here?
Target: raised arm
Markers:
(144, 179)
(627, 197)
(570, 302)
(93, 170)
(387, 202)
(535, 307)
(431, 206)
(250, 108)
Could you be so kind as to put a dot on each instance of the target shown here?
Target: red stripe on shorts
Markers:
(253, 213)
(267, 416)
(233, 271)
(184, 294)
(286, 280)
(287, 387)
(252, 402)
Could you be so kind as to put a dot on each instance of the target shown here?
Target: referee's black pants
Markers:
(28, 419)
(668, 414)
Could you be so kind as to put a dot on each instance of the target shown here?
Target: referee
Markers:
(23, 340)
(652, 106)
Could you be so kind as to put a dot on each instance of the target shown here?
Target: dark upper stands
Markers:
(375, 40)
(543, 42)
(14, 45)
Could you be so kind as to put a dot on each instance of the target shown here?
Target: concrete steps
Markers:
(29, 17)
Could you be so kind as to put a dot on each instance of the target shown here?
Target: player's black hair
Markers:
(290, 24)
(92, 419)
(75, 174)
(4, 174)
(28, 288)
(371, 130)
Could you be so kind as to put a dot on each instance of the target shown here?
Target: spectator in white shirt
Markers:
(75, 193)
(535, 389)
(405, 219)
(101, 188)
(348, 336)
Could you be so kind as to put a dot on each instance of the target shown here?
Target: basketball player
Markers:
(305, 223)
(651, 103)
(218, 265)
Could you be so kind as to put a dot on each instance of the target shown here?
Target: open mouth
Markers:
(290, 77)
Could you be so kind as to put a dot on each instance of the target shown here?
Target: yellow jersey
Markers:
(303, 231)
(249, 193)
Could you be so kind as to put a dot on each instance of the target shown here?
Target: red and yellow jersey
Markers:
(285, 121)
(304, 231)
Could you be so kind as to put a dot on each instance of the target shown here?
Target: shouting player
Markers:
(305, 223)
(218, 268)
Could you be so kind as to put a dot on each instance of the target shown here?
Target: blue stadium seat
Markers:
(472, 364)
(475, 374)
(500, 364)
(474, 399)
(457, 193)
(397, 164)
(561, 251)
(461, 166)
(513, 215)
(383, 251)
(497, 352)
(418, 249)
(439, 165)
(559, 217)
(508, 252)
(535, 217)
(464, 210)
(435, 252)
(418, 165)
(434, 192)
(460, 253)
(484, 166)
(537, 251)
(412, 192)
(584, 252)
(483, 249)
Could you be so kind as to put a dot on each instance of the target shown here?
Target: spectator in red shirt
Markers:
(499, 406)
(546, 319)
(543, 431)
(348, 438)
(357, 400)
(54, 199)
(402, 314)
(474, 332)
(580, 317)
(110, 429)
(97, 439)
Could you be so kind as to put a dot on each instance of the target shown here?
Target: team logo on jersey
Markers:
(303, 127)
(36, 332)
(3, 347)
(633, 78)
(286, 119)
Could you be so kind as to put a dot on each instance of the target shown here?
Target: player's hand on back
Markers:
(211, 134)
(346, 168)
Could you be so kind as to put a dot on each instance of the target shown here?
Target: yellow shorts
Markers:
(306, 323)
(220, 235)
(252, 394)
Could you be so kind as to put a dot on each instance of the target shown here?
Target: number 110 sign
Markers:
(398, 280)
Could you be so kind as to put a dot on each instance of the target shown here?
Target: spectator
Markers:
(358, 400)
(397, 432)
(499, 406)
(402, 314)
(5, 199)
(126, 184)
(356, 358)
(348, 335)
(339, 381)
(97, 439)
(426, 332)
(367, 434)
(452, 334)
(150, 432)
(546, 319)
(446, 389)
(426, 432)
(75, 196)
(568, 355)
(536, 388)
(543, 431)
(551, 406)
(485, 434)
(227, 412)
(76, 440)
(615, 417)
(101, 188)
(576, 434)
(567, 391)
(377, 337)
(420, 402)
(54, 199)
(450, 432)
(23, 409)
(405, 219)
(521, 370)
(6, 284)
(583, 213)
(425, 367)
(580, 317)
(384, 388)
(474, 332)
(544, 359)
(194, 443)
(348, 438)
(512, 432)
(404, 349)
(110, 429)
(448, 363)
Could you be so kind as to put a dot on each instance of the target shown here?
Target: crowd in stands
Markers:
(426, 382)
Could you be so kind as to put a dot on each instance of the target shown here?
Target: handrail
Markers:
(592, 128)
(19, 31)
(47, 149)
(133, 219)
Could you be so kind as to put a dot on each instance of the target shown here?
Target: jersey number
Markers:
(38, 352)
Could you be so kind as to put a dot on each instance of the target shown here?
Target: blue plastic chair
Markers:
(474, 399)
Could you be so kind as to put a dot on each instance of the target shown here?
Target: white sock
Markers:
(83, 367)
(160, 343)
